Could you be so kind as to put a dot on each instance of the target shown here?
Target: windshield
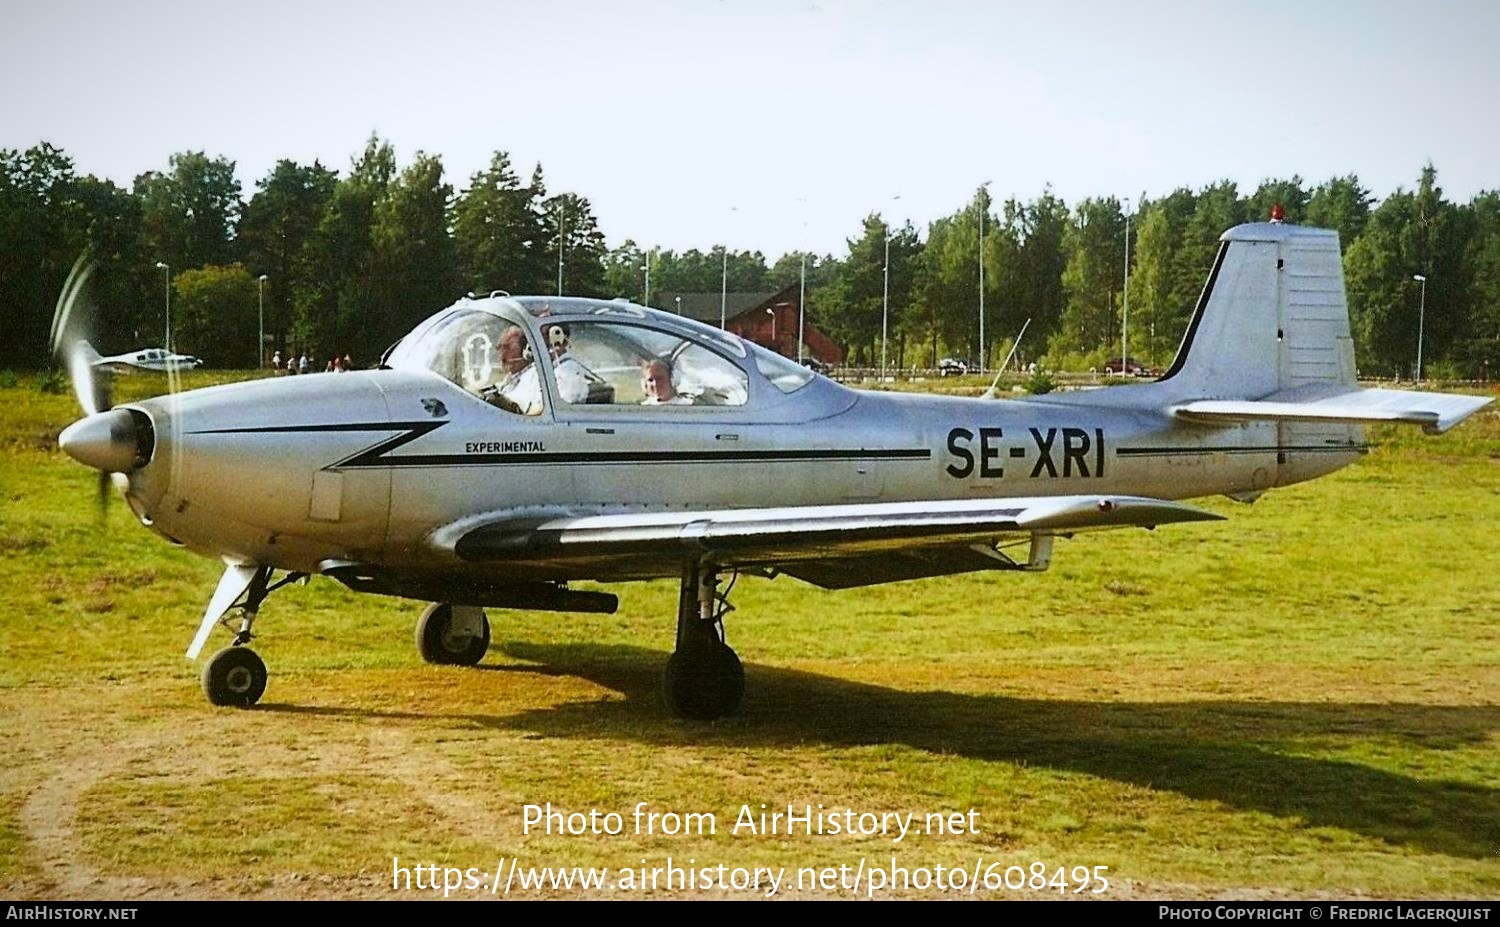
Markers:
(486, 352)
(784, 374)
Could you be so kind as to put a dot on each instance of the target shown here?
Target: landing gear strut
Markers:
(704, 678)
(236, 676)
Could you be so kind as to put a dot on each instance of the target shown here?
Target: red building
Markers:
(768, 319)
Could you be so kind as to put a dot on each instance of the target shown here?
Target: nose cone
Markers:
(117, 441)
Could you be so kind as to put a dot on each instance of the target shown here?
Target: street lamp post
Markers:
(984, 207)
(562, 214)
(802, 283)
(646, 300)
(724, 285)
(163, 266)
(885, 296)
(1421, 321)
(679, 304)
(801, 306)
(1125, 313)
(261, 349)
(774, 346)
(885, 299)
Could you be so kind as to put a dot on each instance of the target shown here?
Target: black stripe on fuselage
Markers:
(633, 457)
(376, 456)
(417, 429)
(1270, 449)
(410, 431)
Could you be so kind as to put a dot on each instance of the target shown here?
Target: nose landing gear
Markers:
(236, 676)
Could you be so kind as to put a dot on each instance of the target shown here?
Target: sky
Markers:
(773, 125)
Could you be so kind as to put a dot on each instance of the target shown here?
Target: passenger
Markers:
(572, 377)
(656, 379)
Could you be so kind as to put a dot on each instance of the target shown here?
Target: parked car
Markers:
(1129, 367)
(952, 366)
(815, 365)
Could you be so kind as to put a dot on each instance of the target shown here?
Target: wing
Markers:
(829, 545)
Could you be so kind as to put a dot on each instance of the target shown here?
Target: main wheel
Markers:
(235, 676)
(704, 680)
(448, 639)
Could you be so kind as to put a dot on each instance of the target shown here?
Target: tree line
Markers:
(347, 263)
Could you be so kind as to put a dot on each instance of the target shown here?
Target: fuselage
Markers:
(382, 467)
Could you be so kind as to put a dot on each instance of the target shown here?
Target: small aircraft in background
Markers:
(510, 446)
(157, 360)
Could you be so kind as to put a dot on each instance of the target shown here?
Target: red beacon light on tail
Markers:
(1277, 213)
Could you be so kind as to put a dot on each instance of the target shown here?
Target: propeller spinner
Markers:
(116, 441)
(112, 441)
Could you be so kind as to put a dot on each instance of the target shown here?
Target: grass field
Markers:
(1303, 701)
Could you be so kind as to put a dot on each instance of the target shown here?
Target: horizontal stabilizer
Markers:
(1435, 412)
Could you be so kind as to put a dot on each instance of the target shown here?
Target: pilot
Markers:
(656, 379)
(520, 389)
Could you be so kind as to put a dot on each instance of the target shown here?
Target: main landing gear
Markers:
(704, 679)
(453, 635)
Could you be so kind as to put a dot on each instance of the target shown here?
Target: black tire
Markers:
(704, 680)
(438, 643)
(235, 677)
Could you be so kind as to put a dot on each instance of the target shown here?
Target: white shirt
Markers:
(572, 380)
(524, 388)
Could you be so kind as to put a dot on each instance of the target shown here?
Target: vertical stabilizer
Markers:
(1272, 316)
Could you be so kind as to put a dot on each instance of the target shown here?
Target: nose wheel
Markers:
(704, 679)
(235, 677)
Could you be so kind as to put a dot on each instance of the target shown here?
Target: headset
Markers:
(557, 339)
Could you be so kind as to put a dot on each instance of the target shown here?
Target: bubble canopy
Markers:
(592, 352)
(461, 343)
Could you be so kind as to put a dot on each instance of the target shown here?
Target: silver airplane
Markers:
(157, 360)
(510, 446)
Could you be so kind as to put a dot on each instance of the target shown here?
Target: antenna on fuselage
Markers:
(991, 393)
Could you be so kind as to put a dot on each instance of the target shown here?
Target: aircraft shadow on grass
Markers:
(1222, 751)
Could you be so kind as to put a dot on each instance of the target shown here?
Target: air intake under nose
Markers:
(117, 441)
